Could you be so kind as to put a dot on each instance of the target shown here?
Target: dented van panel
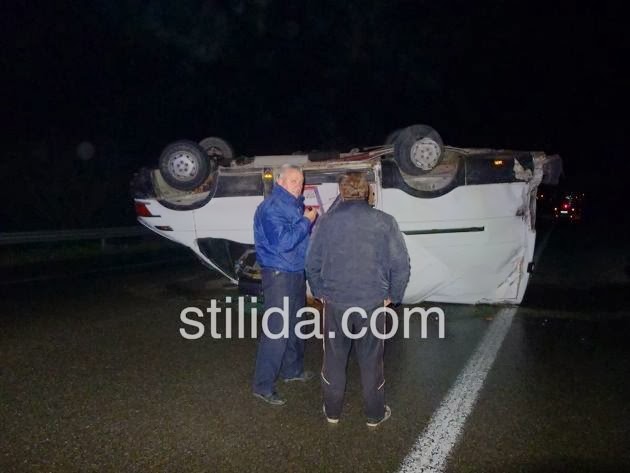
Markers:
(469, 223)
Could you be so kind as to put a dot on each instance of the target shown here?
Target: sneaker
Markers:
(304, 377)
(274, 398)
(331, 420)
(376, 423)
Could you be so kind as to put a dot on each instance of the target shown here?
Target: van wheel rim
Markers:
(425, 154)
(183, 166)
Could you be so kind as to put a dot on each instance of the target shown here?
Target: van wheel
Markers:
(418, 149)
(218, 150)
(185, 165)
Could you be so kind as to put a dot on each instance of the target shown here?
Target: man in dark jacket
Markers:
(281, 232)
(357, 258)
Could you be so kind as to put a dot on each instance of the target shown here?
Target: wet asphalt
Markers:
(95, 376)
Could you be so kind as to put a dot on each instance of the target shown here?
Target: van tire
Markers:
(418, 149)
(218, 150)
(185, 165)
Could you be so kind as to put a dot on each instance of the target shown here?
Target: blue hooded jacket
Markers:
(281, 231)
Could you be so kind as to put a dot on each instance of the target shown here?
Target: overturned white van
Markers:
(467, 215)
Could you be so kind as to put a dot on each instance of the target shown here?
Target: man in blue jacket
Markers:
(357, 258)
(281, 232)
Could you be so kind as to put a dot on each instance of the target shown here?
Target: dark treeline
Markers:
(131, 76)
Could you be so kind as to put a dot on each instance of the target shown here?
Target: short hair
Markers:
(285, 167)
(354, 186)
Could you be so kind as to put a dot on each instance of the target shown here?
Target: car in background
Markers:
(569, 207)
(467, 214)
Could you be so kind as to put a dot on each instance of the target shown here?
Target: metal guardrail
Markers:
(102, 234)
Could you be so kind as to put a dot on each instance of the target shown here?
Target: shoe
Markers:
(274, 398)
(304, 377)
(376, 423)
(331, 420)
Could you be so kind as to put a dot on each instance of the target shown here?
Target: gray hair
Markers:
(285, 167)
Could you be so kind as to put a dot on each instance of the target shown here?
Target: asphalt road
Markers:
(96, 377)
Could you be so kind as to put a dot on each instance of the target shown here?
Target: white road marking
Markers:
(431, 450)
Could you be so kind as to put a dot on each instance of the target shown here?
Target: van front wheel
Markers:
(184, 165)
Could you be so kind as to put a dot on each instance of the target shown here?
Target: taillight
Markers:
(565, 206)
(142, 210)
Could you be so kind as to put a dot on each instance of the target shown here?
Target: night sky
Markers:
(131, 76)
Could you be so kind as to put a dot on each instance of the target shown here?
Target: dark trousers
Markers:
(369, 350)
(282, 357)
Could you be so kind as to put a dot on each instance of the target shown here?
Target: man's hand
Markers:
(310, 213)
(387, 301)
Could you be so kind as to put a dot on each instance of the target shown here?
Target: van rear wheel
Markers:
(418, 149)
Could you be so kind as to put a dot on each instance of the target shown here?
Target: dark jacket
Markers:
(281, 231)
(357, 257)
